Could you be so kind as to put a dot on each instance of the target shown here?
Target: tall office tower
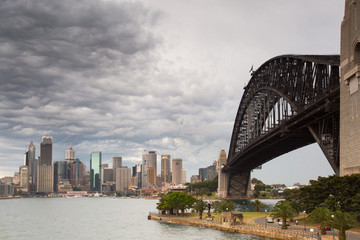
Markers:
(117, 163)
(70, 155)
(202, 174)
(24, 178)
(165, 168)
(177, 171)
(45, 179)
(123, 180)
(32, 164)
(77, 173)
(26, 157)
(183, 180)
(148, 160)
(95, 171)
(60, 173)
(151, 180)
(45, 170)
(138, 174)
(46, 151)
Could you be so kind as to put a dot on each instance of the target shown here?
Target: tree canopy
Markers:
(175, 201)
(334, 193)
(283, 210)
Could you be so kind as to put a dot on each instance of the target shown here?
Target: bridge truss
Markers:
(290, 101)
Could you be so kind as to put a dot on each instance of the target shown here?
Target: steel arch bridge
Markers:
(291, 101)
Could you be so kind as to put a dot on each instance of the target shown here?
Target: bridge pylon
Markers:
(349, 89)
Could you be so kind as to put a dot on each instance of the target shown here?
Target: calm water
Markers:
(94, 218)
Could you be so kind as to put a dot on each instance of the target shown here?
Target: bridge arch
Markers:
(290, 101)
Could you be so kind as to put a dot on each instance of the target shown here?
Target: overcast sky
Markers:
(126, 76)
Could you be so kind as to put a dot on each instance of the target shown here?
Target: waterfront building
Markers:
(95, 171)
(33, 163)
(64, 186)
(77, 173)
(46, 151)
(70, 155)
(123, 180)
(137, 175)
(6, 186)
(24, 179)
(117, 163)
(177, 171)
(45, 179)
(165, 169)
(108, 174)
(45, 170)
(61, 170)
(148, 160)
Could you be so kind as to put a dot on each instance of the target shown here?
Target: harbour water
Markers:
(94, 218)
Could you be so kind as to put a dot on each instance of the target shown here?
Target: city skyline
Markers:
(139, 75)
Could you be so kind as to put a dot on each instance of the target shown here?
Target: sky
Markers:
(122, 77)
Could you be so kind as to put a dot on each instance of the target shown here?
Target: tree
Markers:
(283, 210)
(342, 221)
(175, 201)
(258, 205)
(320, 215)
(200, 206)
(338, 194)
(223, 206)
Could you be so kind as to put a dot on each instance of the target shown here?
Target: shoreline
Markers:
(270, 232)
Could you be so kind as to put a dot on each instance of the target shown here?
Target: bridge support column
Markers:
(223, 177)
(349, 89)
(239, 184)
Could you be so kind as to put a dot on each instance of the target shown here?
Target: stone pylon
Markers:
(223, 178)
(349, 89)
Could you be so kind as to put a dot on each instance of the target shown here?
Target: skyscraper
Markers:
(95, 171)
(177, 171)
(32, 165)
(165, 168)
(117, 163)
(123, 179)
(45, 170)
(60, 172)
(46, 151)
(70, 155)
(148, 160)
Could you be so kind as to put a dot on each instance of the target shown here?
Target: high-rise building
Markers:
(165, 169)
(95, 171)
(177, 171)
(183, 180)
(202, 174)
(45, 170)
(123, 180)
(60, 173)
(70, 155)
(45, 179)
(24, 178)
(137, 175)
(77, 173)
(32, 165)
(117, 163)
(151, 176)
(46, 151)
(148, 160)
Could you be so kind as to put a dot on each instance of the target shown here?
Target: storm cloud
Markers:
(124, 76)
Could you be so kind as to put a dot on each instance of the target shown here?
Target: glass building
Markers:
(95, 171)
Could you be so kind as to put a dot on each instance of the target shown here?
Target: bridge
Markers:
(291, 101)
(295, 100)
